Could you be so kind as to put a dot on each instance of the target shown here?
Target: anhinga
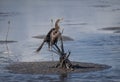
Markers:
(52, 36)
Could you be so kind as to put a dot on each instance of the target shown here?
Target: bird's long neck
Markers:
(56, 25)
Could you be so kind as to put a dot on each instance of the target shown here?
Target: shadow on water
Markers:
(111, 28)
(101, 6)
(116, 9)
(6, 14)
(114, 29)
(5, 54)
(63, 77)
(4, 42)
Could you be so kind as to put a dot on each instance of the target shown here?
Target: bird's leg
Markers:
(49, 46)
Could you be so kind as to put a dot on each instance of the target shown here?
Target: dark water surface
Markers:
(82, 21)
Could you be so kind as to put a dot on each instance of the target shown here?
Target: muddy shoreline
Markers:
(48, 67)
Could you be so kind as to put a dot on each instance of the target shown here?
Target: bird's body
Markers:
(46, 39)
(52, 36)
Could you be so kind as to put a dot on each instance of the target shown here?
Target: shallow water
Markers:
(82, 21)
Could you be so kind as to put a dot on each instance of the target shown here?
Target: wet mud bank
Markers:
(48, 67)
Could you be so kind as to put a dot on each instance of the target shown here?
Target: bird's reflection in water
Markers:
(63, 77)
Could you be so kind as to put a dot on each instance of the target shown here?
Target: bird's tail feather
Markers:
(40, 47)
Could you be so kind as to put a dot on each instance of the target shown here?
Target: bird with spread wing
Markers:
(52, 36)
